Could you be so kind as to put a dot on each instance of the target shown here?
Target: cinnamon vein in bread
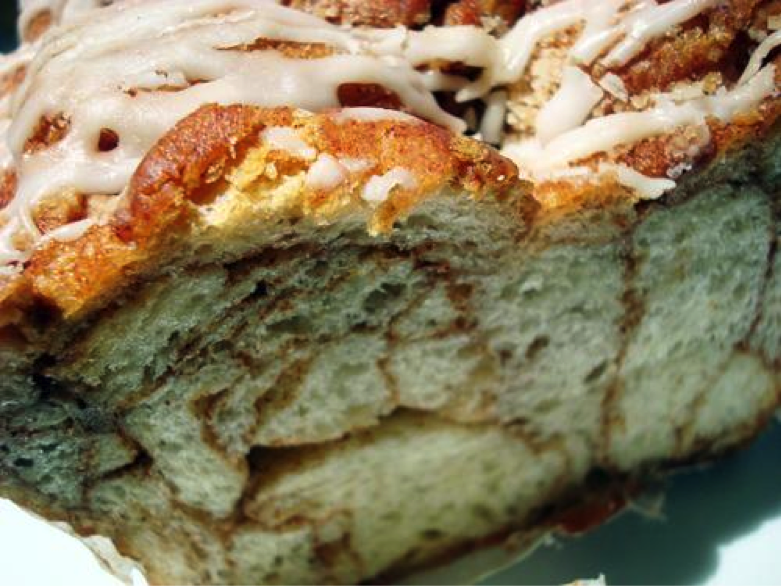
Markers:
(273, 311)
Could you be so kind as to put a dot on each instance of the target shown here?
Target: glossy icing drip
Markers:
(134, 69)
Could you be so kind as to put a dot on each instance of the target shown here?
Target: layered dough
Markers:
(298, 401)
(104, 88)
(267, 316)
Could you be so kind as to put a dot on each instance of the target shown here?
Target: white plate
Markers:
(626, 553)
(722, 528)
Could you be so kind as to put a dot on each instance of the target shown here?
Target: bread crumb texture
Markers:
(237, 382)
(337, 347)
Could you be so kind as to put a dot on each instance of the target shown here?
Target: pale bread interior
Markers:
(329, 406)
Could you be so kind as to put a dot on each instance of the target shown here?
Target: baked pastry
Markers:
(267, 316)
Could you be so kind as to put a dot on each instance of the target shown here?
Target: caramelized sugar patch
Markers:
(49, 131)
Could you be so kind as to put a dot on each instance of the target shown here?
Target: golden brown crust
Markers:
(183, 170)
(169, 185)
(175, 167)
(656, 156)
(54, 213)
(291, 49)
(566, 196)
(470, 12)
(370, 95)
(410, 13)
(166, 189)
(49, 131)
(715, 41)
(749, 127)
(7, 187)
(376, 13)
(38, 25)
(11, 80)
(467, 12)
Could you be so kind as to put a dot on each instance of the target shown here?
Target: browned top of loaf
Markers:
(165, 192)
(375, 13)
(718, 43)
(714, 41)
(655, 156)
(411, 13)
(162, 202)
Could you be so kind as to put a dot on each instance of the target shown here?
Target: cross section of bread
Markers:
(236, 390)
(338, 347)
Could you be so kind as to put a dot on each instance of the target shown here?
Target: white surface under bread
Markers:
(722, 527)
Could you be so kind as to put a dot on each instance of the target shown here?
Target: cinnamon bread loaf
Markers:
(267, 315)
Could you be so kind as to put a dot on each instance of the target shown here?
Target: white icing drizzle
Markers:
(725, 104)
(70, 232)
(569, 107)
(680, 92)
(378, 188)
(325, 173)
(328, 172)
(760, 53)
(645, 187)
(435, 81)
(465, 44)
(8, 65)
(140, 66)
(493, 122)
(604, 25)
(614, 85)
(641, 185)
(6, 157)
(516, 47)
(61, 11)
(371, 115)
(601, 135)
(103, 70)
(598, 31)
(679, 169)
(650, 22)
(355, 165)
(286, 139)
